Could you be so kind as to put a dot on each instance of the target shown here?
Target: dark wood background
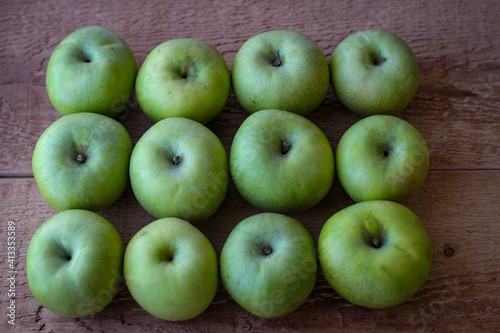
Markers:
(456, 108)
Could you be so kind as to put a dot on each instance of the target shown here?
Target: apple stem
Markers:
(371, 232)
(176, 160)
(378, 61)
(268, 250)
(285, 147)
(277, 62)
(81, 158)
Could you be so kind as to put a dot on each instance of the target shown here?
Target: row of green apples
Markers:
(180, 169)
(94, 70)
(374, 253)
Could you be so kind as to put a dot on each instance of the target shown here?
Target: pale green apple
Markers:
(382, 157)
(183, 78)
(268, 264)
(74, 263)
(81, 161)
(170, 268)
(179, 168)
(281, 162)
(91, 70)
(280, 69)
(374, 72)
(375, 253)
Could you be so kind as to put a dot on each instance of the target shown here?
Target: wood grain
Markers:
(456, 108)
(461, 285)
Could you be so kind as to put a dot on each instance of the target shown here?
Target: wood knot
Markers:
(449, 251)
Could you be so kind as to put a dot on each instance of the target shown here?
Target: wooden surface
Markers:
(456, 108)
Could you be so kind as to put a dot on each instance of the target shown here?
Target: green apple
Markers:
(268, 264)
(183, 78)
(81, 161)
(179, 168)
(375, 254)
(91, 70)
(280, 69)
(374, 72)
(281, 162)
(382, 157)
(74, 263)
(170, 268)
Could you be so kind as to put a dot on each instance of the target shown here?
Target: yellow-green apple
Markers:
(374, 72)
(74, 263)
(375, 253)
(280, 69)
(281, 162)
(81, 161)
(183, 78)
(170, 268)
(179, 168)
(382, 157)
(268, 264)
(91, 70)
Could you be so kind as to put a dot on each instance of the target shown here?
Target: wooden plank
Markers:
(464, 143)
(461, 293)
(456, 106)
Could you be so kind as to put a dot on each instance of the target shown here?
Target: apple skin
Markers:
(374, 72)
(183, 78)
(271, 180)
(95, 183)
(275, 284)
(74, 263)
(171, 270)
(382, 157)
(298, 82)
(91, 70)
(375, 277)
(194, 188)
